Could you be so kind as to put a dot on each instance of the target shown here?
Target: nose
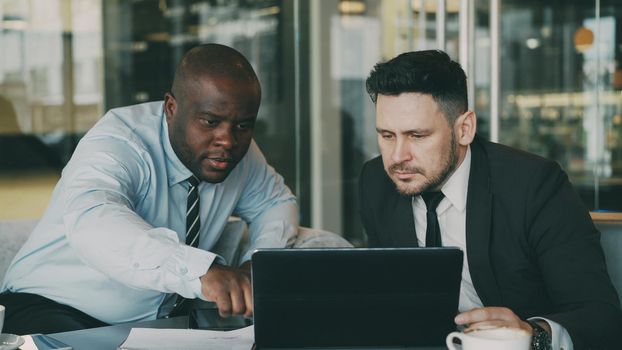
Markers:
(401, 151)
(225, 137)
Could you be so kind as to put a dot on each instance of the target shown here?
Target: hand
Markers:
(229, 288)
(488, 317)
(246, 267)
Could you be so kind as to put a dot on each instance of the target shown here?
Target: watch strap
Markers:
(540, 338)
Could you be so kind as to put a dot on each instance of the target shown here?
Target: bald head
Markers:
(212, 61)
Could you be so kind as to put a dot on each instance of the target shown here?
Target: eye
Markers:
(209, 122)
(387, 136)
(417, 136)
(245, 125)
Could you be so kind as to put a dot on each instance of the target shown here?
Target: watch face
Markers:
(540, 339)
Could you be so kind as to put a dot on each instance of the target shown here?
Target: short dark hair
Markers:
(214, 60)
(429, 72)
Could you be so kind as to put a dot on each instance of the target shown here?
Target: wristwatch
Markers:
(540, 338)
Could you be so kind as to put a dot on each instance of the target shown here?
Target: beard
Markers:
(433, 181)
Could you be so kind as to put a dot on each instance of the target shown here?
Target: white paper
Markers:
(188, 339)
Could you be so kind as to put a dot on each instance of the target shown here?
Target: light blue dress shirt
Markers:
(111, 242)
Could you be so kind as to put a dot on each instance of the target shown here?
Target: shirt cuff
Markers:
(201, 268)
(560, 339)
(195, 265)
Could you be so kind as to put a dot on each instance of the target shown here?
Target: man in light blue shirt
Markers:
(113, 242)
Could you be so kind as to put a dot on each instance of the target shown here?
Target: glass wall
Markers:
(346, 39)
(144, 41)
(544, 76)
(561, 90)
(65, 62)
(50, 94)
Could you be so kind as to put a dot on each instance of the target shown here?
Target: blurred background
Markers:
(544, 76)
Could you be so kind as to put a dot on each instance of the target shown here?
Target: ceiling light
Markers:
(583, 39)
(14, 24)
(352, 7)
(533, 43)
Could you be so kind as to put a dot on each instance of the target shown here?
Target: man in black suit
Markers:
(532, 254)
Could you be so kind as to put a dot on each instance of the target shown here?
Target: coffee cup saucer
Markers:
(10, 341)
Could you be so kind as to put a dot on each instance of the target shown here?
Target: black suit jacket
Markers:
(531, 244)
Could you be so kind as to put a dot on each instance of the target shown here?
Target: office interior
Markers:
(544, 76)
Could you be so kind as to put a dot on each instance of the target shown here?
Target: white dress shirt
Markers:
(451, 213)
(112, 240)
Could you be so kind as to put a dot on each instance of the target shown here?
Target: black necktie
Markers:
(433, 231)
(193, 224)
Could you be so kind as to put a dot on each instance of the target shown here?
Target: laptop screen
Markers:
(355, 297)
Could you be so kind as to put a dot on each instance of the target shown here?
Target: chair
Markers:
(234, 240)
(611, 241)
(13, 234)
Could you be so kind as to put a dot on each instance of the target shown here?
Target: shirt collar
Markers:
(456, 187)
(175, 169)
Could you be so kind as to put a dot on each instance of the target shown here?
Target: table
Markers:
(109, 338)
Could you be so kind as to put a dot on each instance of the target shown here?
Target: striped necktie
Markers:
(174, 304)
(193, 224)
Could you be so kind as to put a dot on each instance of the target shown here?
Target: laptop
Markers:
(355, 297)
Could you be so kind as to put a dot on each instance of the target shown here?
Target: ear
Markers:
(170, 106)
(465, 128)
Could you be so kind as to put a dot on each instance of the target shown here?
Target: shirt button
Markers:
(136, 265)
(183, 270)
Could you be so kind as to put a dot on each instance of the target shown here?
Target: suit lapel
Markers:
(399, 221)
(478, 227)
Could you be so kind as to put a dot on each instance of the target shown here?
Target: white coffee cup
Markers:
(1, 317)
(491, 339)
